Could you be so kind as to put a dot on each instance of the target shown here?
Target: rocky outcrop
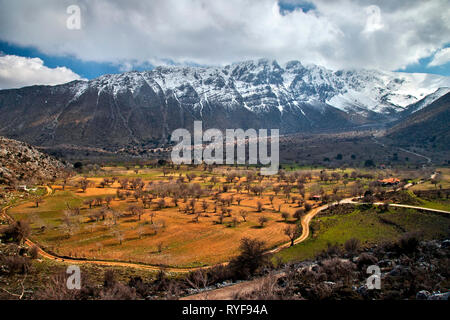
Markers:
(20, 162)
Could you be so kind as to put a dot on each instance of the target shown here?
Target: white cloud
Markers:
(374, 22)
(336, 34)
(17, 72)
(440, 58)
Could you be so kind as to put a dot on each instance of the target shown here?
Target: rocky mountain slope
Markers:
(19, 162)
(143, 108)
(429, 125)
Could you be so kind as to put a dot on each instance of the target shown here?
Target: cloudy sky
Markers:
(38, 47)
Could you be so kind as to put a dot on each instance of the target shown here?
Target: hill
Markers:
(428, 126)
(20, 162)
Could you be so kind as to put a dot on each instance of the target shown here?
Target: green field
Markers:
(369, 226)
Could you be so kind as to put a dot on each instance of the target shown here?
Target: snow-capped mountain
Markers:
(141, 107)
(425, 102)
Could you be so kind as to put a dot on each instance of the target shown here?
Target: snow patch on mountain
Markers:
(263, 85)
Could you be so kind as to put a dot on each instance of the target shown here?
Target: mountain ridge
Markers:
(145, 107)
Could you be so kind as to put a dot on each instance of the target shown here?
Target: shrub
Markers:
(332, 250)
(366, 259)
(337, 269)
(352, 245)
(33, 252)
(262, 221)
(118, 291)
(250, 260)
(16, 264)
(16, 232)
(408, 243)
(56, 289)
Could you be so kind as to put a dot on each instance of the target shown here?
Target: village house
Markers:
(389, 182)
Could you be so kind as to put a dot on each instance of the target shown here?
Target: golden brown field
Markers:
(131, 222)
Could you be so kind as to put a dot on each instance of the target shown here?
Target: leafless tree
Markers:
(119, 235)
(298, 214)
(221, 217)
(152, 215)
(262, 220)
(259, 206)
(140, 232)
(136, 211)
(108, 201)
(293, 232)
(276, 189)
(37, 201)
(88, 202)
(204, 206)
(84, 183)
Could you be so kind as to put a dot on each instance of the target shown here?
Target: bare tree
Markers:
(37, 201)
(198, 280)
(88, 202)
(262, 220)
(161, 204)
(293, 232)
(120, 236)
(136, 211)
(298, 214)
(259, 206)
(243, 214)
(221, 216)
(84, 183)
(140, 231)
(204, 206)
(152, 215)
(276, 189)
(108, 201)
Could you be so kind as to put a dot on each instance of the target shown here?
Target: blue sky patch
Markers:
(88, 70)
(422, 66)
(289, 6)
